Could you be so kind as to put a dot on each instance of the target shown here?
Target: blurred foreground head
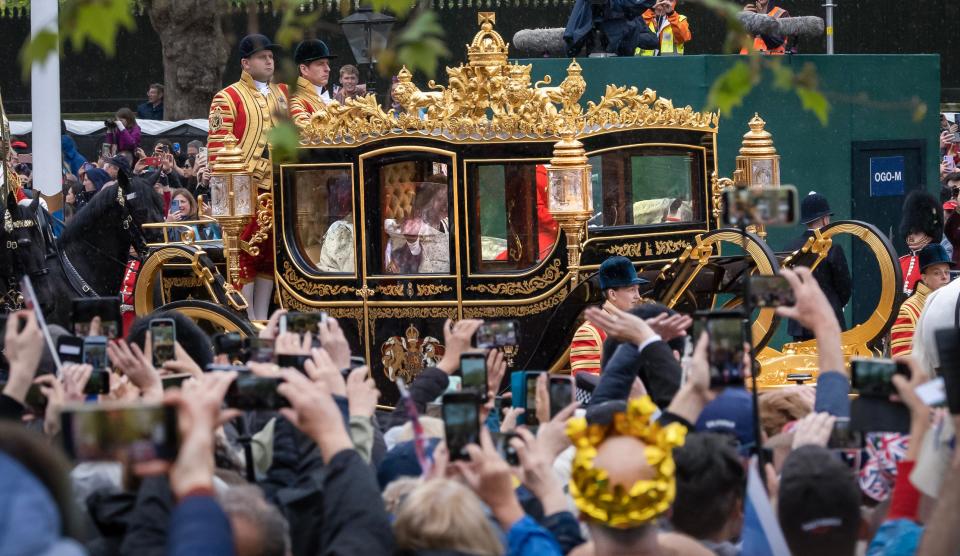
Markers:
(620, 495)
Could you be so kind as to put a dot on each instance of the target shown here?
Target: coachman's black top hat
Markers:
(310, 50)
(814, 206)
(251, 44)
(932, 254)
(618, 272)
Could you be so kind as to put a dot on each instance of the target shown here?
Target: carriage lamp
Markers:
(570, 195)
(758, 160)
(758, 164)
(233, 200)
(367, 33)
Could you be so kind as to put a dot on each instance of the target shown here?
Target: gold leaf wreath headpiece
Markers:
(614, 505)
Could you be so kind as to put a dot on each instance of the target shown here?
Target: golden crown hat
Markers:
(614, 505)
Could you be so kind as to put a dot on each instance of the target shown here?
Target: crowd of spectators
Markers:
(332, 473)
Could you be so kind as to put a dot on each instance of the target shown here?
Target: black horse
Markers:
(23, 243)
(90, 257)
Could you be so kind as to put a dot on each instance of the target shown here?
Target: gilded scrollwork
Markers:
(412, 312)
(390, 289)
(426, 290)
(489, 98)
(505, 311)
(312, 288)
(648, 248)
(631, 250)
(180, 282)
(548, 278)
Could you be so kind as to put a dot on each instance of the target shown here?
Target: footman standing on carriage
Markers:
(313, 61)
(619, 282)
(248, 109)
(832, 273)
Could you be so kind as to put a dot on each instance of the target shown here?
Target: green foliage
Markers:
(729, 90)
(419, 46)
(284, 139)
(96, 21)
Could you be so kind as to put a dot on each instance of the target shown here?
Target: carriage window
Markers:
(324, 212)
(412, 197)
(510, 226)
(643, 186)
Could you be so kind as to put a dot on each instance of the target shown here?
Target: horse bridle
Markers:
(12, 298)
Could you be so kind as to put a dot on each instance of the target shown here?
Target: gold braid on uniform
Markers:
(614, 505)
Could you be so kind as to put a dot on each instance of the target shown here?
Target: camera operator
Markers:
(618, 23)
(123, 131)
(768, 44)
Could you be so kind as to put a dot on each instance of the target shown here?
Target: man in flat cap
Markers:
(248, 109)
(313, 60)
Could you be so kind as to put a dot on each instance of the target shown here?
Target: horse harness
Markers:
(11, 299)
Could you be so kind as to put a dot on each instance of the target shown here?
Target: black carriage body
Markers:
(507, 260)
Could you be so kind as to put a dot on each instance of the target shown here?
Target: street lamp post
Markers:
(367, 33)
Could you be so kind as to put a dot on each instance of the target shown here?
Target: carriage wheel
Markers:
(211, 317)
(765, 260)
(801, 357)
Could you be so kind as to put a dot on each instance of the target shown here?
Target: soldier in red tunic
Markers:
(249, 109)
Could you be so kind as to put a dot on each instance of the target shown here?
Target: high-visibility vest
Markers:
(760, 46)
(667, 45)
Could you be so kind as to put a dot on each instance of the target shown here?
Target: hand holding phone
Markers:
(498, 333)
(163, 337)
(250, 391)
(873, 377)
(473, 369)
(726, 350)
(561, 393)
(771, 291)
(143, 435)
(461, 422)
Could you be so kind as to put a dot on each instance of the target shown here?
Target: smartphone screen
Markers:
(461, 423)
(105, 150)
(174, 381)
(293, 361)
(561, 393)
(771, 291)
(843, 437)
(301, 323)
(86, 308)
(140, 434)
(530, 413)
(261, 350)
(98, 383)
(874, 377)
(163, 335)
(228, 343)
(726, 351)
(497, 333)
(95, 352)
(770, 206)
(70, 349)
(4, 364)
(473, 367)
(250, 391)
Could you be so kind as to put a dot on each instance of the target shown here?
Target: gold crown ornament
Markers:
(614, 505)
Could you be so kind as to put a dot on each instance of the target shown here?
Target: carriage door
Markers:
(410, 259)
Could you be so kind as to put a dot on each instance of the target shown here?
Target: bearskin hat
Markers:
(922, 213)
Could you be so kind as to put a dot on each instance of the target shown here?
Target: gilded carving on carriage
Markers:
(426, 290)
(548, 278)
(406, 356)
(511, 311)
(312, 288)
(489, 98)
